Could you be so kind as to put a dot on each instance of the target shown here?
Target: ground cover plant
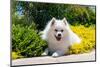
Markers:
(27, 43)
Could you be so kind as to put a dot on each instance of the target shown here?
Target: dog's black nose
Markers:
(59, 34)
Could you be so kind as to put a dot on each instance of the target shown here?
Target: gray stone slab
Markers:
(49, 59)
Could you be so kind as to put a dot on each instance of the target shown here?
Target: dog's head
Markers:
(59, 28)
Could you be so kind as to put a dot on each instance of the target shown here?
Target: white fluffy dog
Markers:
(59, 37)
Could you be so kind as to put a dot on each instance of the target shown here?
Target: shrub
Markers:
(26, 41)
(87, 34)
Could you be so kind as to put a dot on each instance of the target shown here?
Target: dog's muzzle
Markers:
(58, 37)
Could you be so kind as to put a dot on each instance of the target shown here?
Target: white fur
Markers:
(59, 48)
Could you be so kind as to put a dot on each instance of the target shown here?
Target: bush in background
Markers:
(41, 13)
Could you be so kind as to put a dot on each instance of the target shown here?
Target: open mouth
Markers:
(58, 38)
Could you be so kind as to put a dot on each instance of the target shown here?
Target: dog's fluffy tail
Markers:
(74, 38)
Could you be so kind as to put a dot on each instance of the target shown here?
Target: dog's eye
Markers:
(62, 30)
(56, 30)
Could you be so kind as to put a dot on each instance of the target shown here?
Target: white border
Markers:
(4, 33)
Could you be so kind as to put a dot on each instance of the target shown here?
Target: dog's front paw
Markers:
(55, 54)
(44, 54)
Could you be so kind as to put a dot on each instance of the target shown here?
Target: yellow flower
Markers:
(88, 39)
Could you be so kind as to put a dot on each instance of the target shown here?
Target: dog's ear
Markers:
(53, 21)
(65, 21)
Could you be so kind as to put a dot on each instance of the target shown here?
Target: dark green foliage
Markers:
(26, 41)
(21, 20)
(41, 13)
